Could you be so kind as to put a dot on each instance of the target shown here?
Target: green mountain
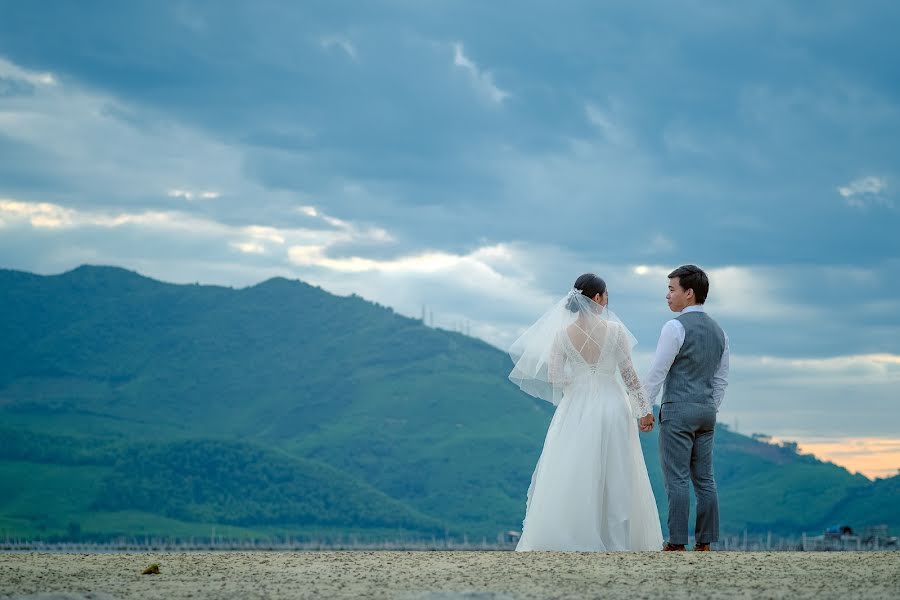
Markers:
(131, 406)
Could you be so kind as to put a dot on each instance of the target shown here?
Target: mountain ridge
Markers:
(422, 417)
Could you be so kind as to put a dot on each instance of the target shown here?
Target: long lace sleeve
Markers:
(640, 406)
(557, 365)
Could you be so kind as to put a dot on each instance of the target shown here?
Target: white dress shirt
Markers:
(670, 340)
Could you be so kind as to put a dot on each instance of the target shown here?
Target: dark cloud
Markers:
(750, 110)
(628, 134)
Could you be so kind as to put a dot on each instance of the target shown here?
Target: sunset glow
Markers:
(872, 457)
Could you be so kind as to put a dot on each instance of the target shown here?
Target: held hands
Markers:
(646, 422)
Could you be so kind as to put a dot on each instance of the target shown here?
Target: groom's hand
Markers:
(647, 423)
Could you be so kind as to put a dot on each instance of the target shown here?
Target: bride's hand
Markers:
(646, 423)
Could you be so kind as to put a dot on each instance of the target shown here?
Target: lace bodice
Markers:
(597, 351)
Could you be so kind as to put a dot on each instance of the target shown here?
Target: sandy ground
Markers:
(450, 575)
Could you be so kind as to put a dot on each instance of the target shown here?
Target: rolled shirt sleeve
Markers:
(671, 339)
(720, 379)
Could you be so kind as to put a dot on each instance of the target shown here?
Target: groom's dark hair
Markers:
(692, 277)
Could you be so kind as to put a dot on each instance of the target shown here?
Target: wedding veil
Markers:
(535, 354)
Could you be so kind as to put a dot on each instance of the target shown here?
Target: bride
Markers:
(590, 490)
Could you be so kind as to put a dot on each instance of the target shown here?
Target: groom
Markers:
(692, 361)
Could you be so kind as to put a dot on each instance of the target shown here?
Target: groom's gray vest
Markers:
(690, 377)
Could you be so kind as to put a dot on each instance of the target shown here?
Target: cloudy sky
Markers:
(474, 159)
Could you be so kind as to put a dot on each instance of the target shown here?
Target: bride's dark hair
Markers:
(590, 285)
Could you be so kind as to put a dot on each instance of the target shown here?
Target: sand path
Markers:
(447, 575)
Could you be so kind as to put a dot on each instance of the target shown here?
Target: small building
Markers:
(510, 537)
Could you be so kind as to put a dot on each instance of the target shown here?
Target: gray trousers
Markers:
(686, 453)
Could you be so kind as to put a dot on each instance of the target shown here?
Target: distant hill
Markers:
(131, 406)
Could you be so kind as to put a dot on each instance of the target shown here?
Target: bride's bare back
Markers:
(588, 338)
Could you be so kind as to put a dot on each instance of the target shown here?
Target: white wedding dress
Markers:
(590, 490)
